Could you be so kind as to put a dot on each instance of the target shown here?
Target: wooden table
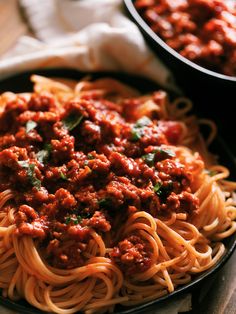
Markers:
(220, 297)
(221, 292)
(12, 25)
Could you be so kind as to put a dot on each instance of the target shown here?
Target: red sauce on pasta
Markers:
(203, 31)
(86, 166)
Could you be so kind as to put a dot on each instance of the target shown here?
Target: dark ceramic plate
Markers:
(207, 84)
(21, 83)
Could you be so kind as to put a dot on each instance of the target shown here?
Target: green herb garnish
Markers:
(157, 188)
(63, 176)
(167, 153)
(67, 221)
(43, 155)
(144, 121)
(30, 125)
(90, 157)
(136, 135)
(161, 190)
(31, 173)
(23, 164)
(163, 153)
(74, 220)
(138, 129)
(72, 121)
(149, 158)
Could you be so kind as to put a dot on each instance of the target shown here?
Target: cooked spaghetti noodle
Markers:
(106, 197)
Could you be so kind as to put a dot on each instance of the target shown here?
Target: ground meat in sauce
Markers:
(203, 31)
(132, 255)
(84, 167)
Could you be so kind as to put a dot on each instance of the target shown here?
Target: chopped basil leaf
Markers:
(137, 130)
(144, 121)
(90, 157)
(71, 219)
(149, 158)
(63, 176)
(30, 125)
(163, 191)
(67, 221)
(74, 220)
(167, 152)
(43, 155)
(30, 173)
(72, 121)
(136, 135)
(157, 188)
(163, 152)
(23, 164)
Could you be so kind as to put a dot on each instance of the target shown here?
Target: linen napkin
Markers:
(88, 35)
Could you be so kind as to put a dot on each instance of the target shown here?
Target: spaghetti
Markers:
(106, 197)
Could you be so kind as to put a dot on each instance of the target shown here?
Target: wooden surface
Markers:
(216, 296)
(219, 295)
(12, 25)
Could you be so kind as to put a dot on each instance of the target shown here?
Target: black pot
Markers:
(213, 93)
(195, 80)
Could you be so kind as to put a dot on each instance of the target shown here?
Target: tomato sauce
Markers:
(85, 167)
(203, 31)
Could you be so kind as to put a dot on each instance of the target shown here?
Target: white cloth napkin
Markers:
(86, 35)
(89, 35)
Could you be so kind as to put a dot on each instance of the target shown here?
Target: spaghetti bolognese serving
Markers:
(106, 196)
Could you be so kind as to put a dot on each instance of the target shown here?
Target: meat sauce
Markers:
(203, 31)
(86, 167)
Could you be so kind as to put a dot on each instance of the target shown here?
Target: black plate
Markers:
(21, 83)
(197, 82)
